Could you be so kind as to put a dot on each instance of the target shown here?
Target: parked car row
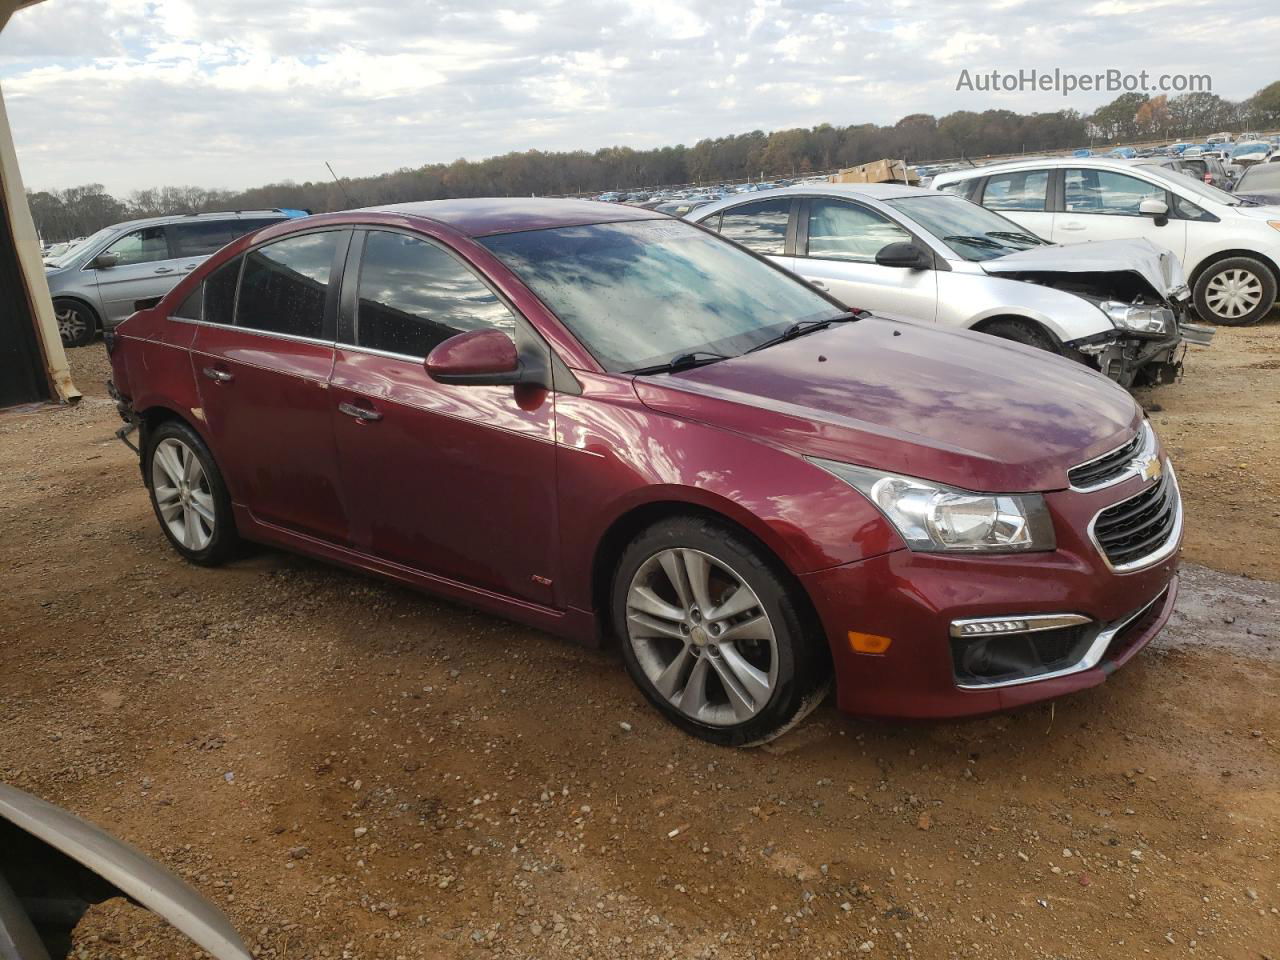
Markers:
(98, 281)
(614, 425)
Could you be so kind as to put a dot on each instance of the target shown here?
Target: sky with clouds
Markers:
(233, 93)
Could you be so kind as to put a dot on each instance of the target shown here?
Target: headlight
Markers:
(935, 518)
(1128, 316)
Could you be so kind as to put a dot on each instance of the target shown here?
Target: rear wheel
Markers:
(712, 634)
(1236, 292)
(188, 495)
(77, 324)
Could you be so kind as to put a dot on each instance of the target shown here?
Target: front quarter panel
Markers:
(966, 299)
(616, 455)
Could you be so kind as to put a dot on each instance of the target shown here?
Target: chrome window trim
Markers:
(1166, 550)
(1092, 657)
(374, 352)
(318, 341)
(1036, 623)
(1144, 452)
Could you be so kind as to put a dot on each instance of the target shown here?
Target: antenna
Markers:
(346, 196)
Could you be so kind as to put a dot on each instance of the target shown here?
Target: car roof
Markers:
(1039, 162)
(195, 218)
(869, 191)
(485, 216)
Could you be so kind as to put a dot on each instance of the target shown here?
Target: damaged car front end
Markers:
(1142, 296)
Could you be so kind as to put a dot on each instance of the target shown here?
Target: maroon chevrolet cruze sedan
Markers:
(609, 424)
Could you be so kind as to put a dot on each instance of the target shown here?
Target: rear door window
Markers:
(413, 295)
(1021, 190)
(759, 226)
(284, 285)
(199, 238)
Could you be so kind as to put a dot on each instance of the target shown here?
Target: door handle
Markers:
(818, 283)
(164, 270)
(1072, 226)
(360, 413)
(218, 376)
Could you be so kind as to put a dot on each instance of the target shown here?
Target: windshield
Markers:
(643, 292)
(76, 248)
(1263, 176)
(974, 232)
(1191, 184)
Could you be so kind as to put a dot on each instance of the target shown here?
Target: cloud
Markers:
(137, 93)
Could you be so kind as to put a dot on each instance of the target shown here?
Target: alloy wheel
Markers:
(71, 324)
(183, 494)
(702, 637)
(1234, 293)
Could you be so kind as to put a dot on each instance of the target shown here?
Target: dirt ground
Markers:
(349, 769)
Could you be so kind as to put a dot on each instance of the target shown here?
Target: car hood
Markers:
(1157, 267)
(955, 407)
(1267, 211)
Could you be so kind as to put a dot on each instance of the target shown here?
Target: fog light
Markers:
(868, 642)
(992, 626)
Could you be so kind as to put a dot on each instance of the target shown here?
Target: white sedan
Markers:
(910, 253)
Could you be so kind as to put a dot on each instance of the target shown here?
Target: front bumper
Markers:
(1131, 359)
(915, 598)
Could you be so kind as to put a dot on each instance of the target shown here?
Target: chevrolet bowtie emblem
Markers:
(1149, 468)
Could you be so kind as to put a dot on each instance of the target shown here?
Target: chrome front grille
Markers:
(1143, 529)
(1112, 466)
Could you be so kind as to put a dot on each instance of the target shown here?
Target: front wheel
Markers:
(1235, 292)
(188, 495)
(713, 635)
(76, 323)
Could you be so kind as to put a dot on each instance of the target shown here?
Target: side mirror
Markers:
(104, 261)
(904, 255)
(476, 358)
(1157, 209)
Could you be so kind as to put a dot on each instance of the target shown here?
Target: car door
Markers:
(764, 226)
(1022, 196)
(836, 246)
(145, 268)
(263, 354)
(1102, 204)
(456, 481)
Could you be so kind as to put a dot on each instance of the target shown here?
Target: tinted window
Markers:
(847, 231)
(140, 246)
(201, 237)
(1025, 190)
(973, 232)
(1189, 211)
(642, 292)
(1107, 192)
(192, 307)
(285, 283)
(220, 294)
(759, 226)
(250, 224)
(413, 295)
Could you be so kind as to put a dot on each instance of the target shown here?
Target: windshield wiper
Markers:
(1015, 235)
(975, 241)
(801, 327)
(683, 361)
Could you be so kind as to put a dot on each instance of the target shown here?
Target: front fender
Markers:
(968, 299)
(616, 455)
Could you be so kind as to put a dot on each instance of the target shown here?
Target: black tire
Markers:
(222, 539)
(1213, 291)
(1025, 332)
(77, 323)
(803, 673)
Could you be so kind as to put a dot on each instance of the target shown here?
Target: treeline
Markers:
(920, 137)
